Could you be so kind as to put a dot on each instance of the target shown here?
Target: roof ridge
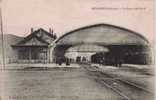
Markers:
(48, 33)
(33, 34)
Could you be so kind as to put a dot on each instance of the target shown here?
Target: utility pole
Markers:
(2, 38)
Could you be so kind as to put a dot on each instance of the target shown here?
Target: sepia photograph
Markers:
(77, 50)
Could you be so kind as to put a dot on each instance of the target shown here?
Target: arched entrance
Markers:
(123, 44)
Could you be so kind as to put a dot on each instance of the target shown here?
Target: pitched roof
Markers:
(40, 37)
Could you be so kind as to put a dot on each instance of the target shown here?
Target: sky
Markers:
(66, 15)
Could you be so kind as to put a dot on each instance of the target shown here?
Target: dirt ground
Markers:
(55, 84)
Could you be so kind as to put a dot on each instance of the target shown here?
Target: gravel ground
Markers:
(53, 85)
(132, 74)
(116, 81)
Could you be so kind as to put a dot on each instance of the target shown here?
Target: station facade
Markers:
(34, 47)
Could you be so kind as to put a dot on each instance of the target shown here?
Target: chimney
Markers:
(32, 30)
(50, 31)
(55, 36)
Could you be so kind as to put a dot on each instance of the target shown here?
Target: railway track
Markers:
(126, 89)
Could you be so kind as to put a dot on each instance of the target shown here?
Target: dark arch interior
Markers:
(128, 54)
(129, 47)
(119, 54)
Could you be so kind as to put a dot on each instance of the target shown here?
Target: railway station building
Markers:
(101, 43)
(34, 47)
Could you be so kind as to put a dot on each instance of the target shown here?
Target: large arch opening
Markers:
(82, 53)
(125, 46)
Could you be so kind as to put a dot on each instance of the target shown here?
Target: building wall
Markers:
(30, 54)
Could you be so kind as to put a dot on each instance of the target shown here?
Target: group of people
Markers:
(68, 61)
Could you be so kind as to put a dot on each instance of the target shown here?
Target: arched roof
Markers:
(104, 34)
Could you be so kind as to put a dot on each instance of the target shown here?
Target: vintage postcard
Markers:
(77, 50)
